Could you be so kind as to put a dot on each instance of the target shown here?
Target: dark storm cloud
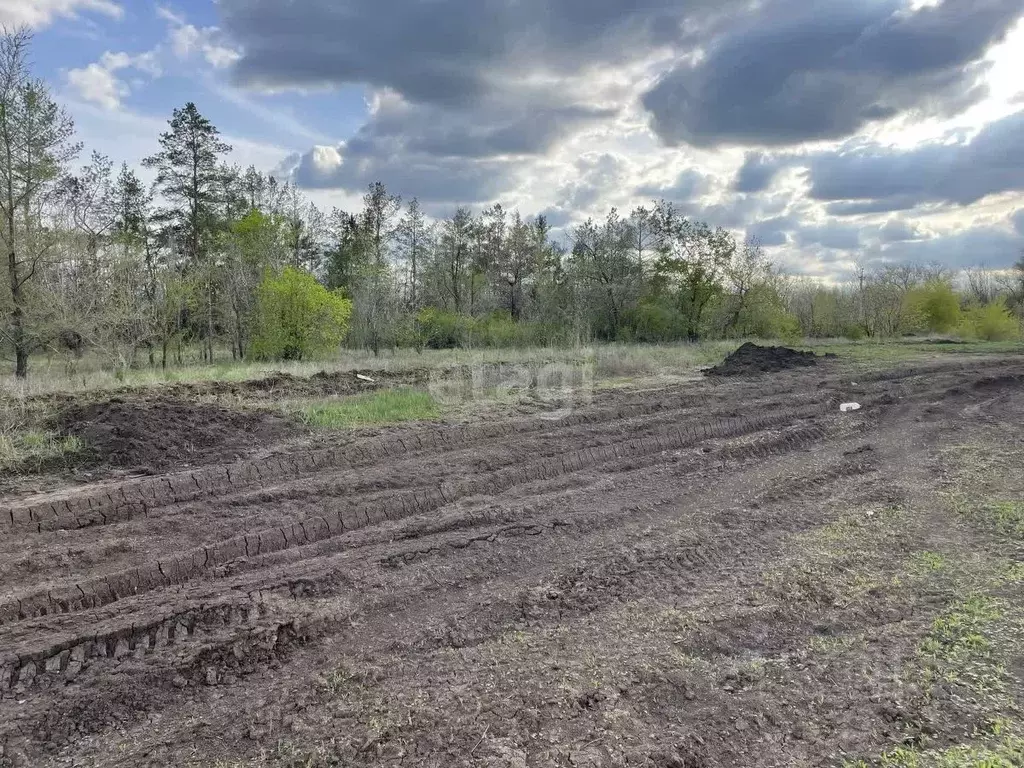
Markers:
(771, 231)
(874, 179)
(441, 180)
(989, 246)
(830, 235)
(798, 71)
(870, 206)
(467, 83)
(689, 185)
(444, 155)
(488, 129)
(897, 231)
(757, 173)
(441, 52)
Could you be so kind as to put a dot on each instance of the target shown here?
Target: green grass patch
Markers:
(387, 406)
(1005, 517)
(32, 450)
(960, 634)
(1004, 751)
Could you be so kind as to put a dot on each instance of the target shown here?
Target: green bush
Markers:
(497, 330)
(438, 329)
(296, 317)
(934, 305)
(652, 321)
(783, 325)
(990, 322)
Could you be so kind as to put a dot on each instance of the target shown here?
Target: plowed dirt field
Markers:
(726, 573)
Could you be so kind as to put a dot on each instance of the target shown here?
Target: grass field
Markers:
(609, 361)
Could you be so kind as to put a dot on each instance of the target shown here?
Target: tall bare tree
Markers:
(35, 148)
(413, 237)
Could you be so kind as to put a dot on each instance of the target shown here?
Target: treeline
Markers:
(231, 261)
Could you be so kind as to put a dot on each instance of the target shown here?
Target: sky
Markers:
(836, 132)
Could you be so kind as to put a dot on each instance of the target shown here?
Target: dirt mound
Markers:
(280, 384)
(752, 358)
(165, 432)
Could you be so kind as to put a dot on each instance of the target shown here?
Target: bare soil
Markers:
(726, 573)
(157, 433)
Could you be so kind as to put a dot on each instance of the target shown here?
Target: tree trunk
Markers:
(209, 322)
(21, 358)
(17, 315)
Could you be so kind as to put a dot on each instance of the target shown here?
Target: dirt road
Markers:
(726, 573)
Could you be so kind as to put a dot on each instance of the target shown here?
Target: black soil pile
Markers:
(163, 433)
(752, 359)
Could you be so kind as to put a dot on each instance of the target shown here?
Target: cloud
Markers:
(358, 163)
(1018, 221)
(571, 107)
(897, 231)
(757, 172)
(889, 205)
(992, 247)
(771, 232)
(874, 178)
(98, 82)
(496, 125)
(188, 40)
(594, 174)
(690, 184)
(40, 13)
(795, 71)
(441, 52)
(830, 235)
(462, 155)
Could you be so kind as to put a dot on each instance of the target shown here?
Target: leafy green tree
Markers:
(252, 245)
(604, 265)
(297, 317)
(692, 265)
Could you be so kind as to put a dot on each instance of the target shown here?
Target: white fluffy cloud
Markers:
(99, 83)
(188, 40)
(39, 13)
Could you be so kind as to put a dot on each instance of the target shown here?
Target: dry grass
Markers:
(610, 362)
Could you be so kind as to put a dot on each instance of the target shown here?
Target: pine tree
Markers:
(189, 178)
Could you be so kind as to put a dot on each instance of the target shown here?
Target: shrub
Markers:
(990, 322)
(497, 330)
(935, 305)
(438, 329)
(652, 321)
(296, 317)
